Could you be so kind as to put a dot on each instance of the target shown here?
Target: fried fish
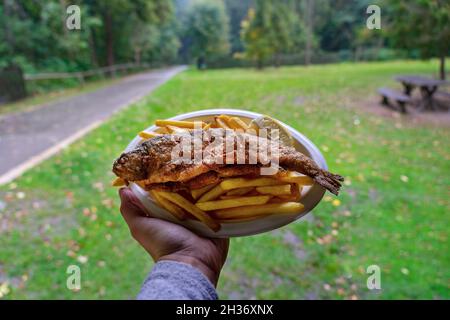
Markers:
(153, 163)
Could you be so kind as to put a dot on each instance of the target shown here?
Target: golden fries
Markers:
(259, 210)
(191, 208)
(212, 194)
(237, 220)
(234, 183)
(280, 190)
(237, 123)
(148, 135)
(225, 197)
(232, 203)
(197, 193)
(239, 191)
(119, 182)
(176, 211)
(295, 177)
(221, 123)
(225, 122)
(234, 123)
(174, 129)
(180, 124)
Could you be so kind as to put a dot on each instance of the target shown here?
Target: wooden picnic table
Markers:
(428, 88)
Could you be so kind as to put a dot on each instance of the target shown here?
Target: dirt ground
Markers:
(440, 117)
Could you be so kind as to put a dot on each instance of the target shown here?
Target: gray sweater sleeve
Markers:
(170, 280)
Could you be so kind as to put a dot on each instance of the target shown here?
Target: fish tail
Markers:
(330, 181)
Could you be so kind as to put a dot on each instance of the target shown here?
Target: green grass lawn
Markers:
(393, 211)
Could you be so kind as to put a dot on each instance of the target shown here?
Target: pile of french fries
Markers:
(231, 200)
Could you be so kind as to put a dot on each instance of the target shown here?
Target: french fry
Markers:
(176, 211)
(174, 129)
(253, 128)
(234, 183)
(280, 190)
(179, 124)
(227, 121)
(163, 130)
(191, 208)
(224, 117)
(221, 123)
(237, 123)
(295, 195)
(239, 191)
(119, 182)
(237, 220)
(232, 203)
(295, 177)
(259, 210)
(148, 135)
(208, 126)
(225, 197)
(197, 193)
(212, 194)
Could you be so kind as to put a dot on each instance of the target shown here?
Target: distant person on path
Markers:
(201, 65)
(187, 266)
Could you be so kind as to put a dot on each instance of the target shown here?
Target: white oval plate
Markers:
(311, 196)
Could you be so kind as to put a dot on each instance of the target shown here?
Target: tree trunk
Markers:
(137, 55)
(309, 11)
(442, 67)
(201, 63)
(93, 48)
(259, 64)
(8, 35)
(358, 53)
(63, 5)
(277, 60)
(109, 38)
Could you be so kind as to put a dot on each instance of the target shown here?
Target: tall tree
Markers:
(337, 22)
(34, 35)
(237, 10)
(422, 25)
(207, 29)
(270, 28)
(255, 33)
(116, 16)
(284, 28)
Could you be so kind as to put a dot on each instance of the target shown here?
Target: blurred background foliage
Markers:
(229, 33)
(214, 34)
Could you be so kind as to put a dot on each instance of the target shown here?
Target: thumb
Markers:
(130, 207)
(140, 224)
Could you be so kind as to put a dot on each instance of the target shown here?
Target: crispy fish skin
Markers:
(210, 177)
(152, 161)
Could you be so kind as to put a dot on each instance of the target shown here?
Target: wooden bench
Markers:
(400, 98)
(443, 99)
(443, 94)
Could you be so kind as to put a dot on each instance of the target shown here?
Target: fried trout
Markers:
(161, 162)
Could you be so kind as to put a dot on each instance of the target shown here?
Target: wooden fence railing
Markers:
(81, 75)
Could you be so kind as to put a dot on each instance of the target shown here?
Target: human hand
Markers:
(164, 240)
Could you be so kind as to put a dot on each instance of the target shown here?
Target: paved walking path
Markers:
(29, 137)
